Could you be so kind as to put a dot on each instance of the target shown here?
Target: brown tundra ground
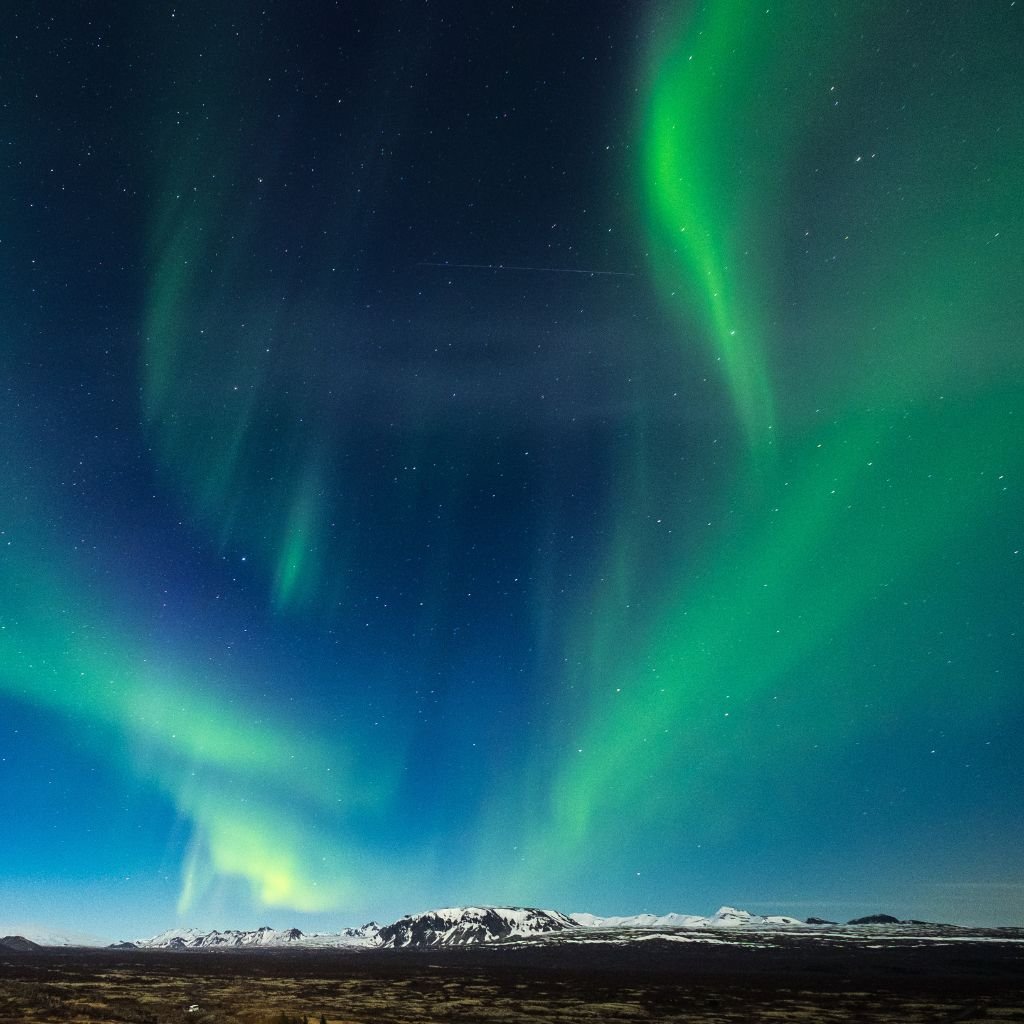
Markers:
(777, 982)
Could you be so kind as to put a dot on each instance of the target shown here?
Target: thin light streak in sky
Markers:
(536, 270)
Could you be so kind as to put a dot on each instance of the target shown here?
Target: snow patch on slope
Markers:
(724, 917)
(196, 938)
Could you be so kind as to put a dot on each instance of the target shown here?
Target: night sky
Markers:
(544, 453)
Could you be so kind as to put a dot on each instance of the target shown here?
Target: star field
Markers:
(518, 456)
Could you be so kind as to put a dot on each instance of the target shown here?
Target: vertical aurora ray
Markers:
(233, 370)
(843, 565)
(297, 577)
(237, 440)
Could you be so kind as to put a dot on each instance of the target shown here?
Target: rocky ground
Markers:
(786, 981)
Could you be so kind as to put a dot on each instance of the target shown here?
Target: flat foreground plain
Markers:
(780, 981)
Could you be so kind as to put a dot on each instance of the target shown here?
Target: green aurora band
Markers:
(714, 159)
(267, 803)
(859, 574)
(858, 558)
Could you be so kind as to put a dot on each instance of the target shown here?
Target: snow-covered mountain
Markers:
(460, 926)
(724, 917)
(364, 935)
(196, 938)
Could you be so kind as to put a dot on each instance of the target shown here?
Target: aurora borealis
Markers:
(358, 559)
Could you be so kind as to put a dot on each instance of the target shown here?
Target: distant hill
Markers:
(18, 944)
(883, 919)
(47, 935)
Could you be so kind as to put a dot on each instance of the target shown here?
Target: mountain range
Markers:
(470, 926)
(460, 926)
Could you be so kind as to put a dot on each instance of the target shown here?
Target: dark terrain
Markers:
(780, 979)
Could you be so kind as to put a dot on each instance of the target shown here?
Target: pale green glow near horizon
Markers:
(266, 801)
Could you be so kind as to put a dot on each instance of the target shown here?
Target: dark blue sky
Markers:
(659, 551)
